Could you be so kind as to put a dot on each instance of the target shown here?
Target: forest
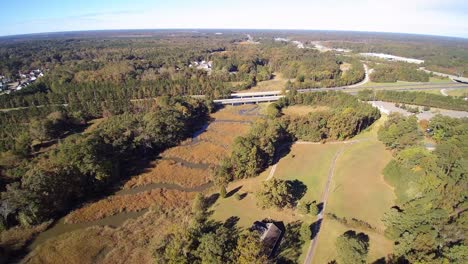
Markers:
(38, 186)
(428, 221)
(385, 73)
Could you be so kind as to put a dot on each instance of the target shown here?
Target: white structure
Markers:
(392, 57)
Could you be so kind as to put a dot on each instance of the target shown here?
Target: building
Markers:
(270, 234)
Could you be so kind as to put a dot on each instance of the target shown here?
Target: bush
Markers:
(237, 196)
(306, 232)
(303, 207)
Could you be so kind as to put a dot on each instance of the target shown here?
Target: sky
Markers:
(432, 17)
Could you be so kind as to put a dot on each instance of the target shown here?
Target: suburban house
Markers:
(270, 234)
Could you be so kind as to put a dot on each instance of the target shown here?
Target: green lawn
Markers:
(458, 92)
(310, 165)
(358, 190)
(330, 230)
(431, 80)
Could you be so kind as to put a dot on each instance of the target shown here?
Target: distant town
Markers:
(8, 85)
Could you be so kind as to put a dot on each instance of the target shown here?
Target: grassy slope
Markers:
(275, 84)
(431, 80)
(358, 190)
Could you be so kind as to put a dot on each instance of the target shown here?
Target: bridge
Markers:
(271, 96)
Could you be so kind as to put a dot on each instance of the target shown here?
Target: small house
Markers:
(270, 234)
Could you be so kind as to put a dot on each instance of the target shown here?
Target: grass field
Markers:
(133, 242)
(359, 191)
(301, 110)
(306, 163)
(431, 80)
(208, 149)
(330, 230)
(277, 83)
(458, 92)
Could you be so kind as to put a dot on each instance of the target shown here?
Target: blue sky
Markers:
(435, 17)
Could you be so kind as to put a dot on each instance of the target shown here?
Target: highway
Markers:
(271, 96)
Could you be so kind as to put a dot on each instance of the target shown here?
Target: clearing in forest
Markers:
(302, 110)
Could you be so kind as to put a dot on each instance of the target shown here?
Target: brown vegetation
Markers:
(16, 238)
(169, 171)
(302, 110)
(131, 243)
(127, 203)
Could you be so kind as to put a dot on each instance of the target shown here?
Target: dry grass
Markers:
(232, 113)
(276, 84)
(345, 67)
(128, 203)
(302, 110)
(200, 153)
(133, 242)
(16, 238)
(209, 148)
(169, 171)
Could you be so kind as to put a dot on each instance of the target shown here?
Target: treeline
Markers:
(344, 118)
(428, 222)
(254, 152)
(417, 98)
(82, 165)
(386, 73)
(442, 54)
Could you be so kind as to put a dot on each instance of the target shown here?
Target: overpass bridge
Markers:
(271, 96)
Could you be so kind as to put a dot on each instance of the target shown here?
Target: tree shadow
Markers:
(319, 208)
(380, 261)
(282, 151)
(242, 196)
(233, 191)
(211, 200)
(231, 222)
(297, 189)
(315, 228)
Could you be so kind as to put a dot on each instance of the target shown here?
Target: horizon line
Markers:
(258, 29)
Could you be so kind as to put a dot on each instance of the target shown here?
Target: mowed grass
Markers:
(302, 110)
(326, 251)
(358, 191)
(277, 83)
(309, 165)
(457, 92)
(431, 80)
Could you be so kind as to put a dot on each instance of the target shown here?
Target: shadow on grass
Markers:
(211, 200)
(319, 208)
(297, 189)
(231, 222)
(233, 191)
(315, 228)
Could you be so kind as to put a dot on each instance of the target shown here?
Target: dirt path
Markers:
(272, 172)
(313, 245)
(444, 92)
